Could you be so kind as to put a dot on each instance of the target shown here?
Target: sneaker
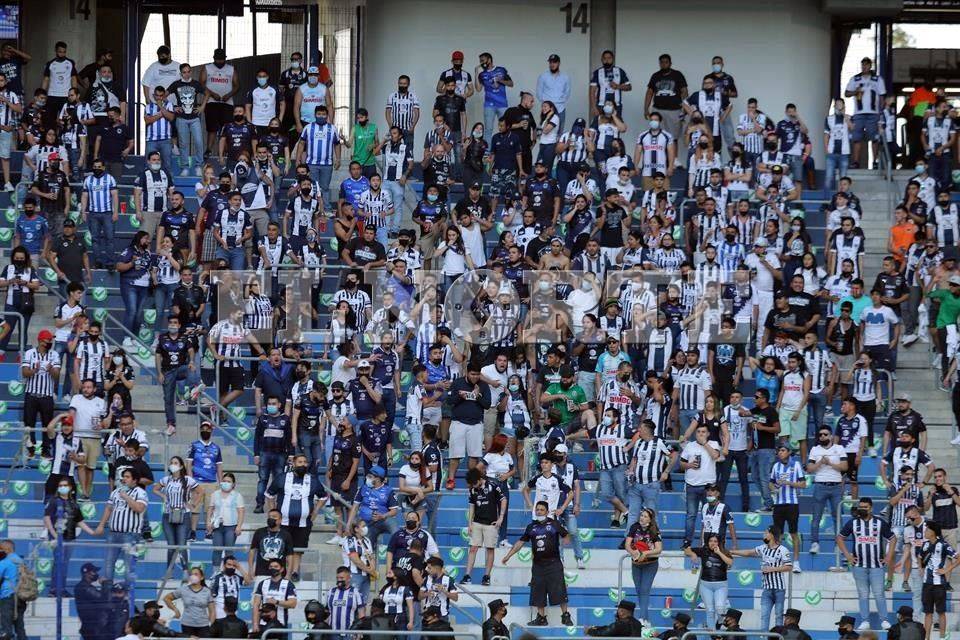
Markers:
(192, 537)
(566, 620)
(905, 587)
(128, 343)
(814, 548)
(67, 398)
(8, 187)
(505, 544)
(828, 412)
(910, 339)
(796, 567)
(171, 429)
(196, 391)
(615, 522)
(885, 625)
(485, 582)
(767, 510)
(956, 440)
(864, 626)
(451, 484)
(185, 173)
(295, 576)
(258, 509)
(335, 540)
(577, 447)
(539, 621)
(466, 579)
(581, 564)
(925, 338)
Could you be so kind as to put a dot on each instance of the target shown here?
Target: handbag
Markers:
(175, 515)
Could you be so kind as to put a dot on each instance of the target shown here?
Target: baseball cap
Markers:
(954, 280)
(89, 567)
(312, 70)
(363, 364)
(610, 192)
(903, 395)
(53, 156)
(206, 423)
(219, 53)
(69, 222)
(378, 471)
(475, 184)
(553, 58)
(761, 242)
(561, 448)
(45, 336)
(337, 385)
(456, 55)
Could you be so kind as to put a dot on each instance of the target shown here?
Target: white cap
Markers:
(903, 396)
(363, 363)
(313, 71)
(560, 448)
(954, 280)
(761, 242)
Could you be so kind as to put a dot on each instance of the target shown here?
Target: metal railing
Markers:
(667, 555)
(387, 634)
(21, 326)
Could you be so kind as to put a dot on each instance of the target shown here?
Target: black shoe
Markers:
(192, 537)
(147, 536)
(295, 576)
(444, 444)
(615, 523)
(466, 579)
(485, 582)
(539, 621)
(566, 620)
(258, 508)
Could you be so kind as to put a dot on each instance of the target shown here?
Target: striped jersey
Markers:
(90, 355)
(868, 538)
(374, 206)
(576, 151)
(612, 397)
(63, 446)
(395, 600)
(343, 605)
(783, 472)
(946, 225)
(176, 491)
(776, 557)
(715, 518)
(295, 498)
(123, 519)
(653, 148)
(913, 496)
(436, 598)
(258, 312)
(359, 301)
(319, 141)
(161, 129)
(650, 458)
(358, 545)
(934, 556)
(872, 88)
(692, 385)
(611, 441)
(396, 158)
(283, 589)
(229, 338)
(401, 107)
(8, 117)
(40, 384)
(99, 192)
(747, 134)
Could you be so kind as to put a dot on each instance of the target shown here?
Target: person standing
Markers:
(52, 189)
(775, 560)
(189, 99)
(698, 461)
(547, 584)
(938, 560)
(276, 591)
(872, 557)
(174, 355)
(345, 603)
(319, 148)
(205, 465)
(125, 512)
(158, 117)
(553, 85)
(836, 142)
(99, 208)
(263, 104)
(376, 504)
(488, 508)
(608, 82)
(765, 426)
(650, 464)
(113, 143)
(269, 549)
(827, 461)
(40, 370)
(299, 497)
(944, 500)
(868, 90)
(786, 478)
(666, 91)
(220, 82)
(10, 107)
(315, 92)
(469, 396)
(493, 81)
(59, 75)
(403, 110)
(161, 73)
(364, 141)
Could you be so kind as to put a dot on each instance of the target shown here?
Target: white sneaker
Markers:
(814, 548)
(910, 339)
(864, 626)
(925, 337)
(196, 391)
(8, 187)
(504, 544)
(796, 567)
(885, 625)
(581, 565)
(335, 540)
(956, 440)
(127, 343)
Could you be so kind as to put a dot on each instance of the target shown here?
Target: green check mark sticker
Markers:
(745, 577)
(752, 519)
(812, 597)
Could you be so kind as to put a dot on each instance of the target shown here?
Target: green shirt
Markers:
(949, 307)
(363, 144)
(859, 304)
(574, 393)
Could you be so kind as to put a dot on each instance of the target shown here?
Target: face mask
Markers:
(351, 284)
(514, 388)
(730, 237)
(711, 498)
(607, 109)
(477, 134)
(607, 421)
(540, 518)
(305, 192)
(174, 468)
(341, 584)
(921, 168)
(450, 92)
(654, 124)
(771, 146)
(117, 360)
(300, 471)
(717, 68)
(544, 286)
(361, 531)
(98, 172)
(63, 491)
(294, 64)
(276, 572)
(229, 571)
(173, 330)
(696, 120)
(271, 523)
(795, 228)
(321, 119)
(273, 409)
(194, 579)
(226, 486)
(432, 197)
(401, 89)
(238, 118)
(411, 525)
(313, 81)
(262, 81)
(703, 145)
(369, 482)
(206, 435)
(766, 540)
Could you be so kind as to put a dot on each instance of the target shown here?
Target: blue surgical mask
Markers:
(262, 81)
(432, 197)
(717, 68)
(273, 409)
(607, 421)
(514, 388)
(654, 124)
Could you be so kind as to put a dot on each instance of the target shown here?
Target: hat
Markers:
(583, 166)
(44, 336)
(905, 611)
(776, 169)
(784, 445)
(626, 604)
(219, 53)
(432, 611)
(793, 613)
(152, 604)
(610, 192)
(206, 423)
(337, 385)
(761, 242)
(378, 471)
(736, 614)
(363, 364)
(88, 567)
(556, 239)
(268, 606)
(118, 586)
(53, 156)
(682, 618)
(903, 395)
(456, 55)
(67, 420)
(69, 222)
(312, 70)
(561, 448)
(955, 280)
(846, 620)
(476, 185)
(553, 58)
(495, 605)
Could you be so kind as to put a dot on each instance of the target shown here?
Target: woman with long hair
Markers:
(134, 267)
(61, 517)
(501, 252)
(813, 275)
(475, 149)
(644, 544)
(579, 219)
(712, 418)
(358, 554)
(796, 242)
(225, 516)
(416, 482)
(199, 609)
(714, 561)
(500, 470)
(118, 378)
(617, 159)
(549, 134)
(21, 281)
(456, 258)
(206, 248)
(702, 161)
(517, 423)
(343, 323)
(398, 601)
(609, 127)
(180, 496)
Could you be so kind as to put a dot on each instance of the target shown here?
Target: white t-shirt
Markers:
(161, 75)
(707, 473)
(554, 134)
(763, 281)
(834, 453)
(490, 372)
(412, 476)
(497, 464)
(66, 312)
(473, 241)
(88, 413)
(876, 323)
(341, 372)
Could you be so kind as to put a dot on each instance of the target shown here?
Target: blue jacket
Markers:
(274, 382)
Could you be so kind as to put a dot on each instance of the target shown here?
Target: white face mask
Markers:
(154, 166)
(608, 109)
(174, 468)
(294, 64)
(194, 579)
(117, 360)
(362, 531)
(540, 518)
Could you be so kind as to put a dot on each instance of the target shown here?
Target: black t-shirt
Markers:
(55, 183)
(486, 502)
(404, 566)
(666, 88)
(593, 347)
(911, 422)
(712, 424)
(345, 451)
(611, 233)
(187, 96)
(545, 539)
(944, 508)
(804, 305)
(517, 114)
(892, 286)
(450, 107)
(713, 568)
(113, 140)
(270, 545)
(70, 252)
(777, 319)
(363, 252)
(766, 417)
(480, 210)
(725, 356)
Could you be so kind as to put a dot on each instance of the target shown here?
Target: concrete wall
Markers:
(42, 26)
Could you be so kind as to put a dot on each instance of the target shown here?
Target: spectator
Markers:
(344, 602)
(698, 461)
(205, 465)
(179, 494)
(775, 560)
(277, 591)
(125, 512)
(198, 607)
(943, 500)
(376, 504)
(40, 370)
(872, 557)
(487, 511)
(225, 516)
(21, 280)
(62, 517)
(361, 560)
(269, 549)
(299, 497)
(644, 544)
(272, 444)
(715, 562)
(113, 142)
(468, 396)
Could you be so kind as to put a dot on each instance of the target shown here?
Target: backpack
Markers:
(27, 588)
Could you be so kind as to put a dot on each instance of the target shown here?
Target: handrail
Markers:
(473, 597)
(387, 633)
(770, 635)
(21, 325)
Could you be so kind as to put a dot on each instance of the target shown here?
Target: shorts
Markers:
(231, 378)
(490, 417)
(93, 448)
(547, 586)
(864, 127)
(503, 182)
(6, 142)
(934, 598)
(347, 495)
(446, 410)
(466, 440)
(786, 516)
(794, 430)
(208, 250)
(852, 470)
(299, 536)
(182, 244)
(217, 114)
(483, 535)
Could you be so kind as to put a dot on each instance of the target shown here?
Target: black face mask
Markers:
(238, 118)
(770, 146)
(730, 237)
(703, 145)
(450, 92)
(300, 471)
(351, 284)
(224, 188)
(412, 525)
(276, 572)
(271, 523)
(229, 571)
(624, 377)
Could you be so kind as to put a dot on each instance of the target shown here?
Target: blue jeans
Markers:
(771, 600)
(176, 535)
(761, 464)
(490, 117)
(397, 193)
(796, 170)
(714, 596)
(163, 302)
(191, 142)
(415, 431)
(824, 495)
(134, 297)
(235, 257)
(270, 471)
(643, 575)
(570, 522)
(695, 497)
(7, 611)
(432, 502)
(113, 552)
(940, 169)
(165, 147)
(642, 496)
(613, 484)
(870, 582)
(376, 529)
(835, 162)
(308, 444)
(816, 407)
(62, 350)
(170, 380)
(222, 537)
(101, 238)
(61, 564)
(685, 417)
(322, 173)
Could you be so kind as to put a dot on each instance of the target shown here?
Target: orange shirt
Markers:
(901, 237)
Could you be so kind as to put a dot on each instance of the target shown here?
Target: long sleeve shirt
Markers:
(273, 435)
(554, 87)
(464, 410)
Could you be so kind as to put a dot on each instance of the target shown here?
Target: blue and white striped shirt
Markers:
(783, 472)
(162, 129)
(319, 141)
(99, 191)
(343, 605)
